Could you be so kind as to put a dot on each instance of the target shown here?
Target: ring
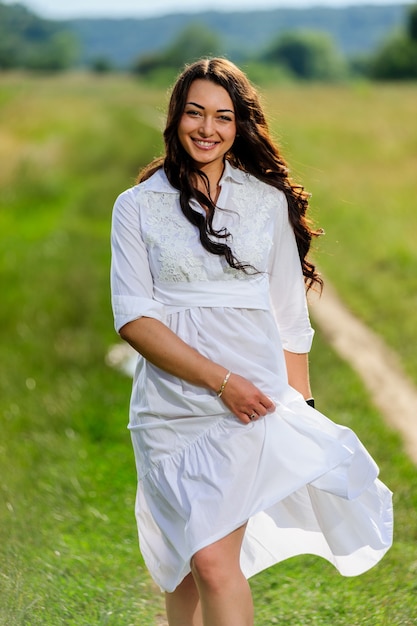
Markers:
(252, 417)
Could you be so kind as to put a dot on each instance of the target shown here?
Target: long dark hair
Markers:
(253, 151)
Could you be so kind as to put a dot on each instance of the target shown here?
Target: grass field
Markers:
(355, 149)
(68, 146)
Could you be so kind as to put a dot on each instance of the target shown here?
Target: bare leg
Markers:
(183, 604)
(225, 595)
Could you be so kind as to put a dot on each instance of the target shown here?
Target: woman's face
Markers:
(207, 128)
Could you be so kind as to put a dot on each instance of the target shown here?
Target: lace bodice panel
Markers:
(174, 248)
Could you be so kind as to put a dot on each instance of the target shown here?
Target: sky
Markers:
(56, 9)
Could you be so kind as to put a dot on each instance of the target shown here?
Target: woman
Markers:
(236, 471)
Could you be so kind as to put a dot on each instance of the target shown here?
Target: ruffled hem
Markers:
(303, 483)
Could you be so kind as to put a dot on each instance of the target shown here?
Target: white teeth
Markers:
(205, 144)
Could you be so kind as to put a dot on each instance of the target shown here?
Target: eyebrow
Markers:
(202, 108)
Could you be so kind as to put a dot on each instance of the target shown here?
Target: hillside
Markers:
(356, 30)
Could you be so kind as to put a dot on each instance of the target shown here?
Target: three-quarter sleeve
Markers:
(131, 278)
(287, 287)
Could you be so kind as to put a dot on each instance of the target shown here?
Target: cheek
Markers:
(186, 125)
(232, 131)
(181, 133)
(232, 135)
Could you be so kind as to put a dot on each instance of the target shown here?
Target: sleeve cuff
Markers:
(299, 344)
(128, 308)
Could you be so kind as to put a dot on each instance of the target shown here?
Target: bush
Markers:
(307, 55)
(396, 60)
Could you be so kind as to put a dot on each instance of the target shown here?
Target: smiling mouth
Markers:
(205, 145)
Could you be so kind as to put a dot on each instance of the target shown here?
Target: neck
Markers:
(213, 175)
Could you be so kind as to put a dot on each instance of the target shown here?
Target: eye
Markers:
(193, 113)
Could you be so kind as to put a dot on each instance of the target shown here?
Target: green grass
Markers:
(354, 147)
(68, 547)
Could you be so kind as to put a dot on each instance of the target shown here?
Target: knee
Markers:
(210, 570)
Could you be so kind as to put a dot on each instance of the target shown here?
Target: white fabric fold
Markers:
(242, 294)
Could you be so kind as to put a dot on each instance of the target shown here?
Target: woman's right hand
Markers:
(245, 400)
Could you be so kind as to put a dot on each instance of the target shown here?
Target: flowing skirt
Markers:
(303, 484)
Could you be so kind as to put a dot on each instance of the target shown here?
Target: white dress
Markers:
(303, 483)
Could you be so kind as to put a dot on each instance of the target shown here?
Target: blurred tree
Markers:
(412, 22)
(29, 42)
(397, 57)
(307, 54)
(55, 54)
(396, 60)
(148, 63)
(193, 43)
(101, 65)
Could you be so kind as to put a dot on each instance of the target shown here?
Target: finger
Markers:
(268, 404)
(247, 417)
(262, 409)
(258, 411)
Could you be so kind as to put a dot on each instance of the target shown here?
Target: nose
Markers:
(206, 127)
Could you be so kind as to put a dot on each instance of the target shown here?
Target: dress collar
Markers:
(159, 182)
(232, 173)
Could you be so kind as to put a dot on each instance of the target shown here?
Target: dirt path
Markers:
(378, 366)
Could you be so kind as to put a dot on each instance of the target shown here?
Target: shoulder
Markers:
(158, 183)
(253, 192)
(251, 183)
(130, 199)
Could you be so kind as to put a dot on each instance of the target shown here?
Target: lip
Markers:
(204, 145)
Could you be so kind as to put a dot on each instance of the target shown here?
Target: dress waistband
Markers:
(246, 293)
